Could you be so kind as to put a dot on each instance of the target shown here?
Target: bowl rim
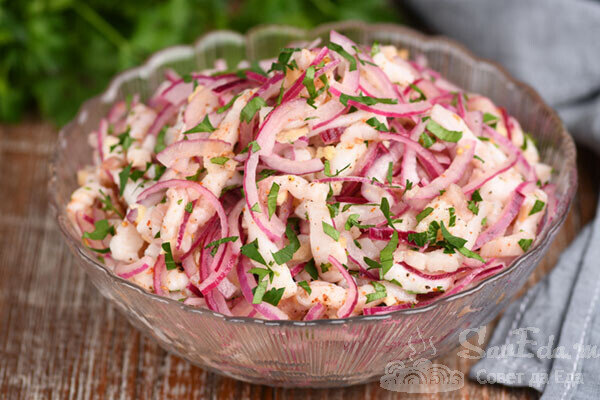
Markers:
(174, 52)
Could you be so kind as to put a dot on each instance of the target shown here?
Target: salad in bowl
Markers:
(332, 181)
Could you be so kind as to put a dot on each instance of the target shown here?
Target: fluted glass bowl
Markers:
(323, 353)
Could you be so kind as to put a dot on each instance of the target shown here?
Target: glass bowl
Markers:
(324, 353)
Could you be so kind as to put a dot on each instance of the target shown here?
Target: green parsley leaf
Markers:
(255, 208)
(123, 177)
(262, 272)
(366, 100)
(284, 255)
(215, 244)
(309, 81)
(273, 296)
(101, 229)
(189, 207)
(426, 140)
(380, 292)
(272, 199)
(385, 210)
(227, 106)
(219, 160)
(371, 263)
(476, 196)
(353, 221)
(334, 209)
(537, 207)
(265, 173)
(250, 109)
(326, 267)
(489, 119)
(390, 172)
(340, 50)
(443, 133)
(375, 48)
(304, 285)
(525, 244)
(423, 214)
(330, 231)
(380, 126)
(283, 59)
(250, 250)
(160, 141)
(204, 126)
(108, 205)
(470, 254)
(419, 91)
(479, 158)
(455, 241)
(327, 169)
(311, 269)
(386, 257)
(452, 219)
(124, 140)
(259, 292)
(471, 205)
(169, 262)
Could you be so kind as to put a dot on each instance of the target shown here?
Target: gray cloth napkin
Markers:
(553, 331)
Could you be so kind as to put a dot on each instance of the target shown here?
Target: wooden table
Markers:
(60, 339)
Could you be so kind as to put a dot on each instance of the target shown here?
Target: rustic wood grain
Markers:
(59, 339)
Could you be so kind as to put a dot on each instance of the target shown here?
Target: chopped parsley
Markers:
(272, 296)
(304, 285)
(189, 207)
(380, 292)
(124, 140)
(366, 100)
(284, 255)
(227, 106)
(452, 219)
(311, 269)
(353, 221)
(250, 250)
(160, 141)
(525, 244)
(272, 199)
(219, 242)
(390, 172)
(123, 177)
(443, 133)
(327, 170)
(101, 229)
(250, 109)
(423, 214)
(419, 91)
(330, 231)
(426, 140)
(537, 207)
(219, 160)
(169, 262)
(283, 60)
(340, 50)
(380, 126)
(107, 204)
(490, 119)
(386, 257)
(204, 126)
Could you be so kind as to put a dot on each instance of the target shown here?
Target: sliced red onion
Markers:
(296, 167)
(127, 271)
(162, 118)
(454, 172)
(425, 156)
(508, 146)
(433, 277)
(351, 293)
(132, 215)
(509, 212)
(256, 77)
(298, 85)
(177, 92)
(491, 174)
(100, 135)
(386, 309)
(297, 269)
(189, 148)
(330, 136)
(390, 110)
(315, 312)
(186, 217)
(154, 193)
(474, 120)
(160, 271)
(231, 257)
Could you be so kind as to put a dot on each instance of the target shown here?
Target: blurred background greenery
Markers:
(56, 53)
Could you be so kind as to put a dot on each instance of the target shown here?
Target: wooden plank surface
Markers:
(60, 339)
